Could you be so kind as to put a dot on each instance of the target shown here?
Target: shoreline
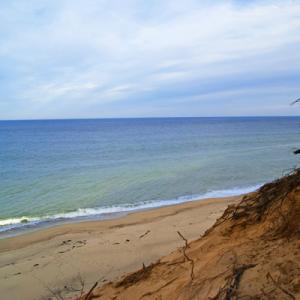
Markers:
(24, 225)
(121, 221)
(53, 257)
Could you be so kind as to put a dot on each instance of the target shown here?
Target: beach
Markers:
(149, 150)
(34, 265)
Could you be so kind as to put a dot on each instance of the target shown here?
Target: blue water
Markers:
(55, 170)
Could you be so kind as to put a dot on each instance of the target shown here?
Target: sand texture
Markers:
(251, 252)
(57, 260)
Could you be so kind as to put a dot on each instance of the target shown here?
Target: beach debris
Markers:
(144, 234)
(185, 240)
(127, 240)
(186, 256)
(81, 242)
(74, 245)
(67, 242)
(35, 265)
(89, 294)
(229, 290)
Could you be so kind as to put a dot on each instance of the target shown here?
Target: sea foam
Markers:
(101, 212)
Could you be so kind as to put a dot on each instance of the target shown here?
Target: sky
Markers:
(154, 58)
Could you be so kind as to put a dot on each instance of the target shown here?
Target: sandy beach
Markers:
(34, 264)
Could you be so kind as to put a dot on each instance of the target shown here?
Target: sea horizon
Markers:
(153, 117)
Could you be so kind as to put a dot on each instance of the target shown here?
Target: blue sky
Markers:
(98, 58)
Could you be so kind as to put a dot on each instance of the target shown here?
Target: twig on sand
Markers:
(88, 295)
(229, 290)
(235, 281)
(141, 236)
(186, 256)
(185, 240)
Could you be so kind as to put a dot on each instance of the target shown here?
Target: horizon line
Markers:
(165, 117)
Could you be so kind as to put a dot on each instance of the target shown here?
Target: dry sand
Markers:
(252, 252)
(51, 259)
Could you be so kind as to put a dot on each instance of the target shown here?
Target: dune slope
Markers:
(251, 252)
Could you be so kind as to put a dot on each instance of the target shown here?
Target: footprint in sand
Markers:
(76, 244)
(79, 244)
(67, 242)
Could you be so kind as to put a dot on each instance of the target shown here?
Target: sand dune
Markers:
(252, 252)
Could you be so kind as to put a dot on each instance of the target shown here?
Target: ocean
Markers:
(56, 171)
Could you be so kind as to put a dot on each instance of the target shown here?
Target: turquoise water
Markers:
(58, 170)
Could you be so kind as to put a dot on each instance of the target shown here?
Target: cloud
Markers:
(86, 59)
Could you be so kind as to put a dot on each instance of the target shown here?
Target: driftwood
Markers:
(144, 234)
(235, 280)
(229, 290)
(88, 295)
(186, 256)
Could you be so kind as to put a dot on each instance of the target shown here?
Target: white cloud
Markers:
(108, 51)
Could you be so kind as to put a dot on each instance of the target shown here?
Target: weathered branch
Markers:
(88, 295)
(141, 236)
(186, 256)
